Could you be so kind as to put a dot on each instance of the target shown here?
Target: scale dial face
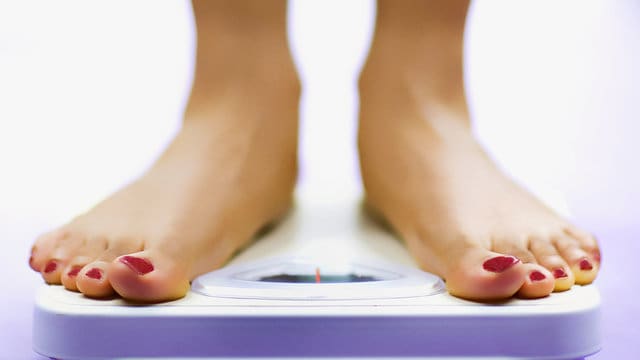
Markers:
(304, 279)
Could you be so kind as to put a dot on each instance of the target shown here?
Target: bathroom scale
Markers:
(327, 281)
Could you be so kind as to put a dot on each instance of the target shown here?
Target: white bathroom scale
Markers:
(326, 282)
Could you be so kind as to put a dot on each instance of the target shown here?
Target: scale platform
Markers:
(326, 282)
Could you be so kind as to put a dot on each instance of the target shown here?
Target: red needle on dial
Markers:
(318, 275)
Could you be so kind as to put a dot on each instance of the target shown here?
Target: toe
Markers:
(547, 255)
(585, 271)
(51, 271)
(538, 283)
(55, 261)
(580, 262)
(587, 242)
(92, 280)
(43, 247)
(149, 276)
(480, 274)
(91, 251)
(70, 274)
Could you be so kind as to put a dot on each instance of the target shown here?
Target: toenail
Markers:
(74, 271)
(559, 273)
(95, 273)
(499, 264)
(537, 276)
(51, 267)
(139, 265)
(585, 265)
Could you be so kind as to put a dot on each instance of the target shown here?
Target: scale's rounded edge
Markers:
(99, 333)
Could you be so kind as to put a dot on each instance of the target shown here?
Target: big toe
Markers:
(480, 274)
(148, 276)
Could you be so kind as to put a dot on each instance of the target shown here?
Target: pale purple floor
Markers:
(621, 307)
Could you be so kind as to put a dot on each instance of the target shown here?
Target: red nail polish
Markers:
(585, 265)
(74, 271)
(51, 266)
(95, 273)
(499, 264)
(559, 273)
(139, 265)
(537, 276)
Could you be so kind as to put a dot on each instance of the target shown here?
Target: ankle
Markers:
(242, 41)
(242, 52)
(272, 84)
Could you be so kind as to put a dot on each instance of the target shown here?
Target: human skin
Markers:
(231, 169)
(461, 217)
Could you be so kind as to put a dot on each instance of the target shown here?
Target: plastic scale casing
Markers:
(389, 318)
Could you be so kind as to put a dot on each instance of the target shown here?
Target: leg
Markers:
(229, 171)
(422, 169)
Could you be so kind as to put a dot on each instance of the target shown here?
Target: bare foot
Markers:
(229, 171)
(460, 216)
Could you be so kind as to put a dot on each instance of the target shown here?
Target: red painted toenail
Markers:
(95, 273)
(537, 276)
(559, 273)
(51, 267)
(74, 271)
(500, 263)
(585, 265)
(139, 265)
